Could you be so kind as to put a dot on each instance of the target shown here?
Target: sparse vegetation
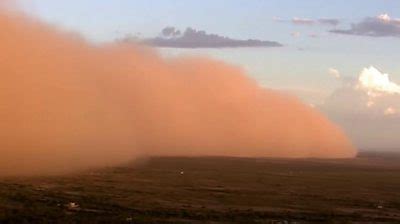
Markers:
(213, 190)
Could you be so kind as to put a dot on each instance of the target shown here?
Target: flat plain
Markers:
(212, 190)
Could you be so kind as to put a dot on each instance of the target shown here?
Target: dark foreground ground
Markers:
(213, 190)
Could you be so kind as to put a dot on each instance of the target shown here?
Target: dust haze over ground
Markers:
(189, 190)
(68, 105)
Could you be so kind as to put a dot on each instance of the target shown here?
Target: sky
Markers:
(327, 48)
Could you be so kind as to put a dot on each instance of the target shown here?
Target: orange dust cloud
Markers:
(68, 105)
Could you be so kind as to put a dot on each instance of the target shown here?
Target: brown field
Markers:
(213, 190)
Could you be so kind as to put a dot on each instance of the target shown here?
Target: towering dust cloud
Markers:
(68, 105)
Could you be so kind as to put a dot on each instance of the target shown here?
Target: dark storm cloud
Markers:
(191, 38)
(170, 31)
(374, 27)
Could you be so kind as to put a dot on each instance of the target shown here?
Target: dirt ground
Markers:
(212, 190)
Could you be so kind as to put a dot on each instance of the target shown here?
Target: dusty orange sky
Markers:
(68, 105)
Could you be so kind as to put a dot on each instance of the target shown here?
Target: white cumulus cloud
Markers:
(376, 83)
(368, 108)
